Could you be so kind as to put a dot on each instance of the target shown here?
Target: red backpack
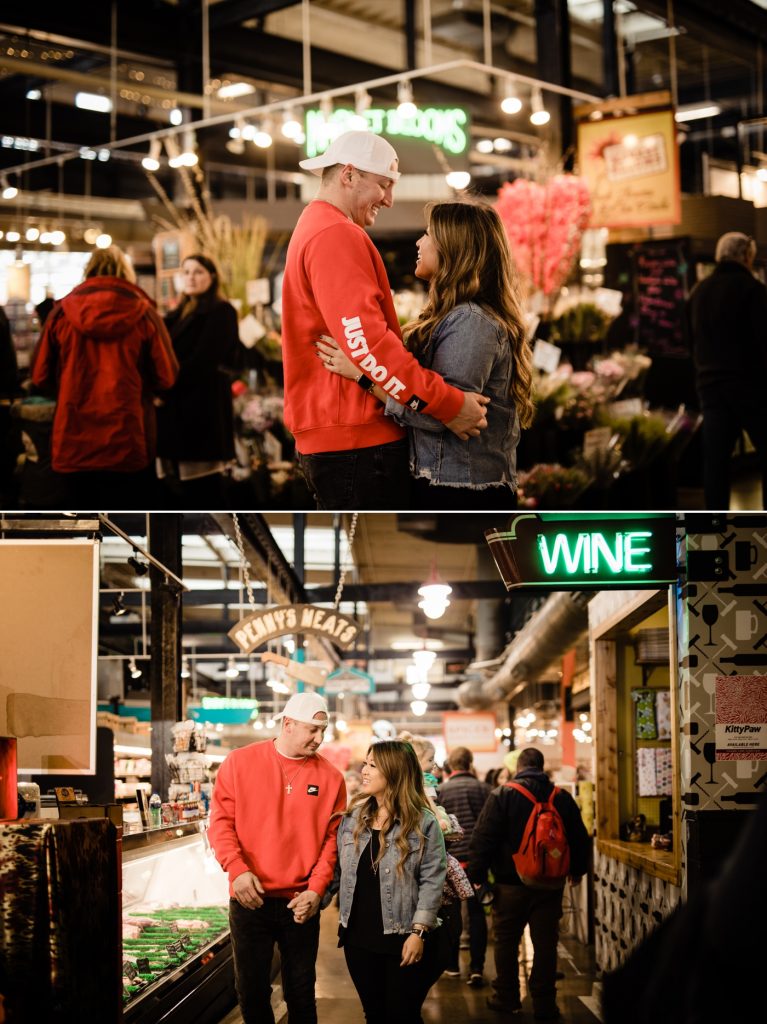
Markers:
(543, 858)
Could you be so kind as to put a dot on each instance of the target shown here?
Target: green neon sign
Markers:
(594, 552)
(446, 127)
(229, 703)
(585, 552)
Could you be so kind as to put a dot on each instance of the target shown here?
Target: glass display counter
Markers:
(176, 953)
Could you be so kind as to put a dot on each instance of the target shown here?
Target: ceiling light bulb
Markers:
(150, 164)
(231, 669)
(762, 174)
(93, 101)
(511, 103)
(502, 145)
(405, 105)
(418, 707)
(291, 126)
(540, 115)
(34, 94)
(485, 146)
(458, 180)
(341, 725)
(9, 191)
(32, 234)
(12, 236)
(175, 116)
(262, 139)
(185, 673)
(421, 690)
(233, 90)
(424, 659)
(135, 671)
(103, 241)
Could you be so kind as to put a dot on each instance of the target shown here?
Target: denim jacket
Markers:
(413, 897)
(471, 350)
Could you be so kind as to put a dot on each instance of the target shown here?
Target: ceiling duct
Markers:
(553, 629)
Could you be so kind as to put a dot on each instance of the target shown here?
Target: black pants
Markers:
(391, 994)
(452, 918)
(254, 933)
(724, 417)
(456, 499)
(104, 490)
(361, 478)
(514, 907)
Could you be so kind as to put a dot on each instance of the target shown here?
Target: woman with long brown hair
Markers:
(471, 332)
(196, 421)
(392, 862)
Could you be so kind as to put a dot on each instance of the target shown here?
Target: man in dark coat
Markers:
(497, 836)
(463, 795)
(727, 324)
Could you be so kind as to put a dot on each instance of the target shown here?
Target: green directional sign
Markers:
(581, 553)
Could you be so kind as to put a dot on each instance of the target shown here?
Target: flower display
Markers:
(544, 224)
(549, 485)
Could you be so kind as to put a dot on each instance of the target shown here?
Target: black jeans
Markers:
(724, 416)
(514, 907)
(254, 933)
(361, 478)
(452, 918)
(391, 994)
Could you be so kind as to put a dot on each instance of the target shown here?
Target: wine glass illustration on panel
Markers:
(709, 613)
(709, 752)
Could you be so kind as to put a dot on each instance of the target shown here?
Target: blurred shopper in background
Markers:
(392, 862)
(351, 454)
(727, 325)
(471, 333)
(195, 419)
(463, 795)
(496, 837)
(104, 353)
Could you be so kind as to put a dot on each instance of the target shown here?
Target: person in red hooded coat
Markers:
(104, 353)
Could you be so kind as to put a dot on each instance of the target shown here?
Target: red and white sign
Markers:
(472, 729)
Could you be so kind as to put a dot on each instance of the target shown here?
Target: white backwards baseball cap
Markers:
(363, 150)
(302, 707)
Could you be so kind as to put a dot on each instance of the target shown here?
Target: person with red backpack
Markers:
(531, 836)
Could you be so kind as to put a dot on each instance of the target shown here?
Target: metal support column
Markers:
(410, 35)
(552, 29)
(609, 50)
(164, 542)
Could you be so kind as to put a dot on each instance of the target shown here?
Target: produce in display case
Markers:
(175, 926)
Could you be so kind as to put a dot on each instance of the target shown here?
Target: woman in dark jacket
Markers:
(195, 421)
(104, 353)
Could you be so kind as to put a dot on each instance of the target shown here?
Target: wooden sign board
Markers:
(256, 630)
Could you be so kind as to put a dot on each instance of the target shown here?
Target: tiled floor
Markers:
(450, 999)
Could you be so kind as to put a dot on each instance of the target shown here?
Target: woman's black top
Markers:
(365, 928)
(196, 422)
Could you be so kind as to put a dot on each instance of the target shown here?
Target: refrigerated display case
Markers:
(176, 952)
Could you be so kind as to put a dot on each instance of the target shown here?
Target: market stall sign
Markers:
(473, 729)
(226, 710)
(447, 127)
(631, 163)
(585, 553)
(350, 680)
(258, 629)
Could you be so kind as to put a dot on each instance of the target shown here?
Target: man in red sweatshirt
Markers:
(273, 831)
(335, 283)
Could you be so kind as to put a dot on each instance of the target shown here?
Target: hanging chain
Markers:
(244, 563)
(342, 574)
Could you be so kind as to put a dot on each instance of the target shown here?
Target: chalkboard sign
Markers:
(661, 272)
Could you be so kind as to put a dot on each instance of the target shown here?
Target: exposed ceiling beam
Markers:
(233, 12)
